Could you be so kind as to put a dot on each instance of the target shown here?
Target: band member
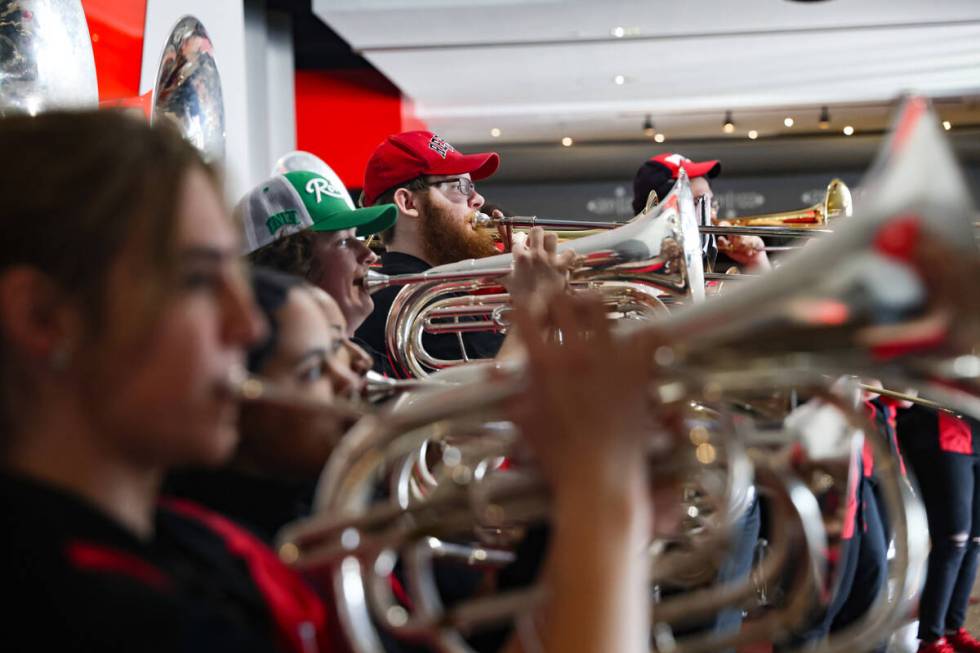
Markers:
(943, 452)
(119, 329)
(659, 174)
(271, 478)
(432, 184)
(305, 224)
(597, 572)
(123, 310)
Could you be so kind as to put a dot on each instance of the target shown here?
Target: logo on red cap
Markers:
(439, 146)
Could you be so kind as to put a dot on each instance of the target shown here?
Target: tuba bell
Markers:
(46, 58)
(188, 89)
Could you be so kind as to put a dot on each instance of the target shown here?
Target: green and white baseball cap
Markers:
(291, 202)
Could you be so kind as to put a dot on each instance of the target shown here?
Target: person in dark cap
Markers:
(432, 185)
(659, 173)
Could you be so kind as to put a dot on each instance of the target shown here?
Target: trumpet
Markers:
(805, 222)
(827, 313)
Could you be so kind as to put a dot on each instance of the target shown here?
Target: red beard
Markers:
(446, 239)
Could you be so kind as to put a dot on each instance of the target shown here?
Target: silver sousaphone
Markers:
(46, 59)
(188, 89)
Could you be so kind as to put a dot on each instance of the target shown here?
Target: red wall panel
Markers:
(342, 115)
(117, 28)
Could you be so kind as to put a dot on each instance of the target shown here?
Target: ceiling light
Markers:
(753, 134)
(659, 138)
(848, 130)
(788, 121)
(824, 118)
(567, 141)
(619, 80)
(618, 32)
(495, 132)
(648, 129)
(729, 125)
(947, 125)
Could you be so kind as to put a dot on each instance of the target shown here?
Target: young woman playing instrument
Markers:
(123, 313)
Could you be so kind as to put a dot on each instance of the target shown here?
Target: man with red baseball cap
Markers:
(659, 173)
(432, 185)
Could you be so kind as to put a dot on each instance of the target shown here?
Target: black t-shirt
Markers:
(79, 581)
(482, 344)
(922, 428)
(261, 504)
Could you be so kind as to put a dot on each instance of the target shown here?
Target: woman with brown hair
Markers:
(123, 312)
(272, 476)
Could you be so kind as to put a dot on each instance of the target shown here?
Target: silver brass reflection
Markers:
(46, 59)
(188, 89)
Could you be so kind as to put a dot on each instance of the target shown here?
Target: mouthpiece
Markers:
(479, 219)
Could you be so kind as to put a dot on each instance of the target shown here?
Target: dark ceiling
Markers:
(317, 47)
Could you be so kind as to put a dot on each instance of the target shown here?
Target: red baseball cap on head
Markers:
(403, 157)
(675, 162)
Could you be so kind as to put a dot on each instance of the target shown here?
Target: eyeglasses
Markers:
(462, 185)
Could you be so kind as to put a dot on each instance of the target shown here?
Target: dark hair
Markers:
(271, 289)
(292, 254)
(388, 197)
(78, 188)
(651, 176)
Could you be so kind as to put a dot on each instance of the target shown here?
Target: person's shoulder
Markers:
(76, 593)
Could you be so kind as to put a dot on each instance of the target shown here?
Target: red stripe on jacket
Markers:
(298, 614)
(97, 557)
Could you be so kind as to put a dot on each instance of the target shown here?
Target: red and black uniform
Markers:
(943, 452)
(78, 581)
(862, 566)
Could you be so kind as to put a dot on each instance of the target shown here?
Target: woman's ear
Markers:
(405, 201)
(35, 318)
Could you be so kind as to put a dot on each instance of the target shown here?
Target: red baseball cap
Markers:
(408, 155)
(675, 162)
